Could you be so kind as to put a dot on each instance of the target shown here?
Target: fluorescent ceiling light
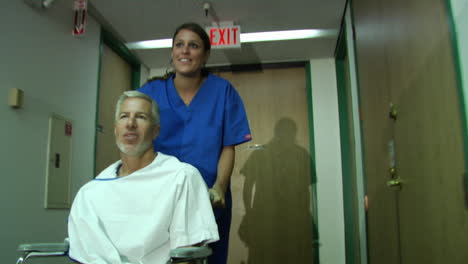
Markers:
(150, 44)
(245, 38)
(281, 35)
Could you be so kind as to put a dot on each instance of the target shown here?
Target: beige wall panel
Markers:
(115, 78)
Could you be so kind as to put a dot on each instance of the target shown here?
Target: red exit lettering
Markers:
(224, 37)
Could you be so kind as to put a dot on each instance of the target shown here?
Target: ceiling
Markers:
(138, 20)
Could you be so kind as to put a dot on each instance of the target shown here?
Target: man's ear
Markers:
(155, 132)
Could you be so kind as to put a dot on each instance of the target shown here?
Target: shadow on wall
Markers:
(278, 224)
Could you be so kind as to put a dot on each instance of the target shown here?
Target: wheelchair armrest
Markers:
(190, 253)
(42, 250)
(44, 247)
(60, 249)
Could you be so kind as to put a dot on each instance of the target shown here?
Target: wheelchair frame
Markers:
(196, 255)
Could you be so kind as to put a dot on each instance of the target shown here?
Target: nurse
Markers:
(202, 120)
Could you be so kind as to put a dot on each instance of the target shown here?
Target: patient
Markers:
(145, 204)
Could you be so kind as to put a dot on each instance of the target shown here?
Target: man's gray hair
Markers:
(136, 94)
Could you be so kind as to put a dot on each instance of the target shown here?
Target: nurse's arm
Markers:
(225, 166)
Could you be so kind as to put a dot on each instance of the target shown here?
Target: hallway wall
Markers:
(329, 184)
(58, 74)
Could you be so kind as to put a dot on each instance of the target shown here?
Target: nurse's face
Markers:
(188, 53)
(134, 129)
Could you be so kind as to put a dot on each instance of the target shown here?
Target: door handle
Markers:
(394, 182)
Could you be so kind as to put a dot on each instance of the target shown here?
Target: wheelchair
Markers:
(195, 255)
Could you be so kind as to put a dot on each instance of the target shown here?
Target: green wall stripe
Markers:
(364, 255)
(348, 194)
(358, 86)
(460, 86)
(97, 103)
(313, 170)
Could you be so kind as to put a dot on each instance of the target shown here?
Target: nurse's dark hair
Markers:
(200, 31)
(197, 29)
(136, 94)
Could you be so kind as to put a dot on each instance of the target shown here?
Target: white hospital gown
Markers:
(139, 218)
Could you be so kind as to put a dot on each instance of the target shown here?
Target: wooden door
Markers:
(428, 137)
(405, 58)
(114, 79)
(377, 131)
(272, 209)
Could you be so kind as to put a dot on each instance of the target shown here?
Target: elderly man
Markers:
(145, 204)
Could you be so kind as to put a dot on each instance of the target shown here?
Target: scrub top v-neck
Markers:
(196, 133)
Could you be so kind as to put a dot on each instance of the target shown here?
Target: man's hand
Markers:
(217, 197)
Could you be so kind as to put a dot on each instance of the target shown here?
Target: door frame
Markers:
(353, 218)
(348, 192)
(313, 172)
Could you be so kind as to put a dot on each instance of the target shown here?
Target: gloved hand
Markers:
(217, 197)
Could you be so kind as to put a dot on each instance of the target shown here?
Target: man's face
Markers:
(134, 129)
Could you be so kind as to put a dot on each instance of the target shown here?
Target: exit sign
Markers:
(224, 36)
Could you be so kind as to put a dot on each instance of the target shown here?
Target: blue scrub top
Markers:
(197, 133)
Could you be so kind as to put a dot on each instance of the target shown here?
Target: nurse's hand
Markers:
(217, 197)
